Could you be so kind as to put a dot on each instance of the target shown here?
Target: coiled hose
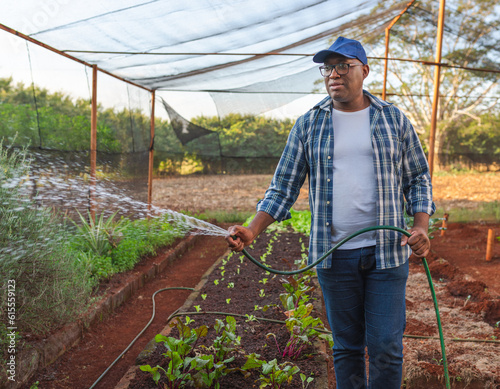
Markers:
(424, 261)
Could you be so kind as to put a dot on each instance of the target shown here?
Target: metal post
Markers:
(151, 154)
(387, 31)
(93, 144)
(384, 90)
(437, 74)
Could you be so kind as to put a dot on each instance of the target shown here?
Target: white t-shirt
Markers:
(354, 183)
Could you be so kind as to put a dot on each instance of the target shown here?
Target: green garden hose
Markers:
(140, 333)
(424, 261)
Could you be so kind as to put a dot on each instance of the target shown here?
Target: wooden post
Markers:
(437, 75)
(445, 224)
(489, 245)
(93, 144)
(151, 154)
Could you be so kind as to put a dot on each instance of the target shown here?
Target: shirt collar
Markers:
(376, 102)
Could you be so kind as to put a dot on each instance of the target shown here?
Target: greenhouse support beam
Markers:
(437, 76)
(45, 46)
(93, 144)
(151, 154)
(387, 32)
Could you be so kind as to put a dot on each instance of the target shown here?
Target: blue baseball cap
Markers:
(347, 47)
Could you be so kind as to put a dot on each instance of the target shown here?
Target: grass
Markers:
(484, 212)
(51, 286)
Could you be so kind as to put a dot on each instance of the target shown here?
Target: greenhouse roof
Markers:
(203, 45)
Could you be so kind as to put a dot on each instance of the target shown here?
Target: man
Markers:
(363, 159)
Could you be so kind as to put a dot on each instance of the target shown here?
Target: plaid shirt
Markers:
(400, 166)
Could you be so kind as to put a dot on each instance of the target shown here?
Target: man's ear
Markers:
(366, 71)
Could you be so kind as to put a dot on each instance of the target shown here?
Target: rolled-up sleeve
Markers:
(417, 186)
(288, 177)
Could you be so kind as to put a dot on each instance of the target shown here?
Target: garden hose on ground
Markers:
(427, 271)
(140, 333)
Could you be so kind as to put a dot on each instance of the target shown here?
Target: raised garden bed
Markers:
(237, 287)
(469, 311)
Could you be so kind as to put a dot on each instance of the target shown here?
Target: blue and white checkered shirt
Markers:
(401, 172)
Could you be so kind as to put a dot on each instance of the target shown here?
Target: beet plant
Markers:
(272, 373)
(201, 367)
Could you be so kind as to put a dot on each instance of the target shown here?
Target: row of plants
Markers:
(55, 262)
(202, 356)
(110, 246)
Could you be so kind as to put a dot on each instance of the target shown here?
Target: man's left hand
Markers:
(418, 241)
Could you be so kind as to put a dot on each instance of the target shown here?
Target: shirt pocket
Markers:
(389, 149)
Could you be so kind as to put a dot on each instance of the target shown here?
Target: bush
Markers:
(51, 286)
(110, 247)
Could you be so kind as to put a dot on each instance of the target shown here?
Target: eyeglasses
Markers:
(340, 68)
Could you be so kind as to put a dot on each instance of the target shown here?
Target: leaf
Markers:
(252, 362)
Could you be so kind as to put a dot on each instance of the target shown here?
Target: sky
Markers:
(27, 63)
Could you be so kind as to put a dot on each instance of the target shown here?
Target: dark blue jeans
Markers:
(365, 308)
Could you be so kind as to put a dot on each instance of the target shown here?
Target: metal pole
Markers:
(93, 144)
(384, 90)
(437, 75)
(387, 31)
(151, 154)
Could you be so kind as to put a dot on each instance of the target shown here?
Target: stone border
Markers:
(124, 383)
(43, 353)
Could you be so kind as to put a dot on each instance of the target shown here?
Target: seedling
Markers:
(250, 318)
(305, 380)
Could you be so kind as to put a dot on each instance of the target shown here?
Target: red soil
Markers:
(464, 273)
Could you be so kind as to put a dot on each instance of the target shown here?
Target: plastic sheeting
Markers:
(198, 45)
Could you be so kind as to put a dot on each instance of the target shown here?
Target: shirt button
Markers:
(328, 203)
(329, 157)
(327, 223)
(328, 180)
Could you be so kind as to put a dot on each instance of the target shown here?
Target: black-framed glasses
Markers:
(340, 69)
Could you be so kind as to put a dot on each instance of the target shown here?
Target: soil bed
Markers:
(467, 290)
(252, 287)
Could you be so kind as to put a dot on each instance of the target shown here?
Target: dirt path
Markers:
(241, 193)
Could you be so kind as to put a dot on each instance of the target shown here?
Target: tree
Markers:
(471, 40)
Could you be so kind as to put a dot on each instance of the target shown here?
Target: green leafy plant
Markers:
(204, 366)
(99, 236)
(304, 330)
(272, 373)
(305, 380)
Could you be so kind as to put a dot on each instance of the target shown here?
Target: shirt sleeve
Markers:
(288, 178)
(417, 186)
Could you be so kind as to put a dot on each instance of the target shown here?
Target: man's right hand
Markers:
(239, 237)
